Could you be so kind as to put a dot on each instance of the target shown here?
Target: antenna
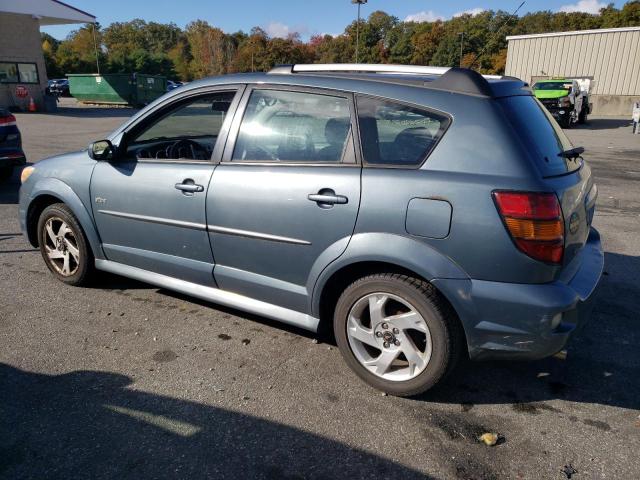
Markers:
(479, 55)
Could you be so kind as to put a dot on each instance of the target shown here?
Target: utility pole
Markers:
(95, 45)
(461, 46)
(359, 3)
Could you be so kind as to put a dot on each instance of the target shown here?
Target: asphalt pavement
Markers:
(124, 380)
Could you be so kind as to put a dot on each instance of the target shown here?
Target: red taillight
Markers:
(534, 221)
(7, 120)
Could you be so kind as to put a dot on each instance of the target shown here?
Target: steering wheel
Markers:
(197, 151)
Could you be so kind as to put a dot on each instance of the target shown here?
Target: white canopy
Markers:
(48, 12)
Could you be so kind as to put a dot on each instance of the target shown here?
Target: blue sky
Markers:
(280, 17)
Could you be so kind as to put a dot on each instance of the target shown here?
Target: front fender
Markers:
(60, 190)
(399, 250)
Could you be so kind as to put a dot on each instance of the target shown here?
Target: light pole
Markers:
(461, 46)
(359, 2)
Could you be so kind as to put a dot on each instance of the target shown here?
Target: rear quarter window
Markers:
(394, 134)
(541, 134)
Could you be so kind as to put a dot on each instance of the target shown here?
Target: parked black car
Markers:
(60, 87)
(11, 154)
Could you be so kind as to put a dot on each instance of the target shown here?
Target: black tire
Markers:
(446, 335)
(5, 173)
(83, 269)
(565, 122)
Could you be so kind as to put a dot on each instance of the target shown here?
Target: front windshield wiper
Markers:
(572, 153)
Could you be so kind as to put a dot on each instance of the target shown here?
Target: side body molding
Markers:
(399, 250)
(59, 189)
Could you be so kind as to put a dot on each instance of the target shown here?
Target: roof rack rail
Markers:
(451, 79)
(364, 68)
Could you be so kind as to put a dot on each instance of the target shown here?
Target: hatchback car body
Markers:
(11, 154)
(426, 213)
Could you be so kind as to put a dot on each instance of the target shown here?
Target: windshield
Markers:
(541, 135)
(566, 86)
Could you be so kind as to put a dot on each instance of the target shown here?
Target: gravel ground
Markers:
(123, 380)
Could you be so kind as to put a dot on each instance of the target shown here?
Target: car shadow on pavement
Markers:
(88, 424)
(604, 124)
(323, 336)
(602, 365)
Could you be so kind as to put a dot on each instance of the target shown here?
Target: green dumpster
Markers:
(117, 88)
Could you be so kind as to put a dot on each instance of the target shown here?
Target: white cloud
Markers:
(431, 16)
(425, 16)
(587, 6)
(281, 30)
(472, 11)
(277, 29)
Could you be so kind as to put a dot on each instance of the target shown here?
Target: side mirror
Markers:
(102, 150)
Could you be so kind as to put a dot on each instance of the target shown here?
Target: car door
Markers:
(149, 202)
(283, 202)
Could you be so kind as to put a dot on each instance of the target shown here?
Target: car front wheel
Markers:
(397, 333)
(63, 245)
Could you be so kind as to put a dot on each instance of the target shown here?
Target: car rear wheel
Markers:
(397, 333)
(5, 173)
(63, 245)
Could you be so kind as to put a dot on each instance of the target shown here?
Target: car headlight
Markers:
(26, 173)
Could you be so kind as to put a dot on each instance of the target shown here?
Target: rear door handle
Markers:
(326, 198)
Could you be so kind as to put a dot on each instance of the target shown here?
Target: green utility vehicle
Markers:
(566, 99)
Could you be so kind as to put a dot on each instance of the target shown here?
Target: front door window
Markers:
(188, 131)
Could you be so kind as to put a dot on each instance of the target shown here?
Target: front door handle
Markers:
(326, 198)
(188, 186)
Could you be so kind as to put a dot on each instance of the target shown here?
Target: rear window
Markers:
(394, 134)
(541, 134)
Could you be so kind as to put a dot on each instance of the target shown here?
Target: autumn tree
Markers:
(201, 49)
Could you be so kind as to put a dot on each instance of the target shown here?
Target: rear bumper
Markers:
(526, 321)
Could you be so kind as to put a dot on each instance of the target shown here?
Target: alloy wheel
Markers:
(389, 337)
(61, 246)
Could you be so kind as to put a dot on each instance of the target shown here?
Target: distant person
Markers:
(636, 118)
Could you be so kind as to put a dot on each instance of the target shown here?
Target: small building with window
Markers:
(22, 69)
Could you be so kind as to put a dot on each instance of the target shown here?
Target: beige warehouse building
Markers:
(609, 57)
(22, 68)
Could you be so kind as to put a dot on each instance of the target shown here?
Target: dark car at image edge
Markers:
(11, 154)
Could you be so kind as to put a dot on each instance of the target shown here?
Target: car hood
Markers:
(550, 93)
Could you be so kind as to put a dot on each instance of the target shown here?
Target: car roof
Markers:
(455, 80)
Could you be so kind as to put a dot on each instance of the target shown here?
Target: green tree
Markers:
(77, 53)
(49, 50)
(202, 49)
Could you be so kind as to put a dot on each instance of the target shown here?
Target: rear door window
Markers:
(541, 134)
(397, 135)
(297, 127)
